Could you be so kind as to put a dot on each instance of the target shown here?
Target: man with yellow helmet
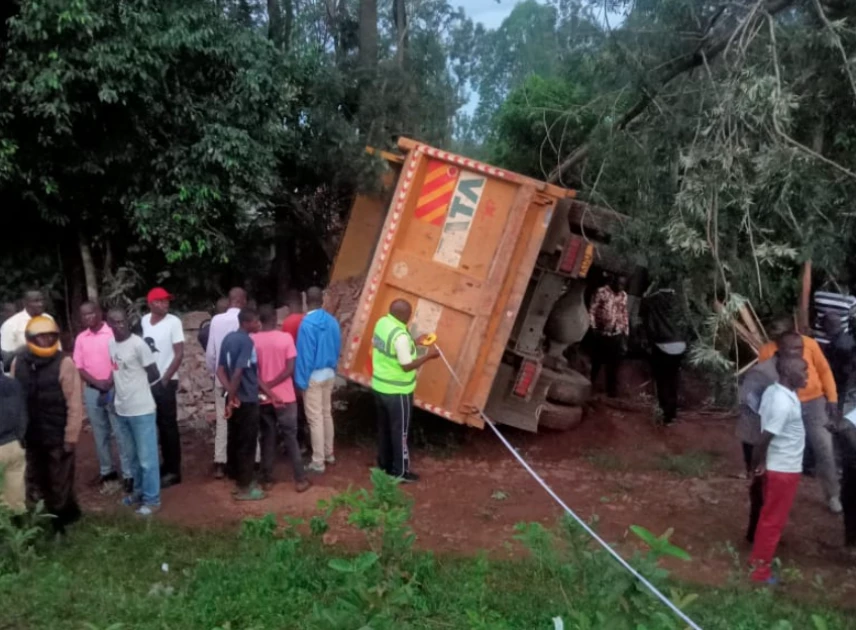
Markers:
(54, 396)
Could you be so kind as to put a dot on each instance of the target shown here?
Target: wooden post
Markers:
(805, 299)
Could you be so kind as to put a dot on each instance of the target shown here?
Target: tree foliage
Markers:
(722, 129)
(139, 135)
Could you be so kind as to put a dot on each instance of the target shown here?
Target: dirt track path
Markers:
(613, 466)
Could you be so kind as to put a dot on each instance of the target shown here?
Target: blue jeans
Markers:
(140, 433)
(103, 421)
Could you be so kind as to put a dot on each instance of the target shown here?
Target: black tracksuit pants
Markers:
(393, 413)
(167, 420)
(666, 369)
(241, 442)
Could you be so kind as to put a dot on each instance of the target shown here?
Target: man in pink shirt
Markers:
(92, 359)
(276, 353)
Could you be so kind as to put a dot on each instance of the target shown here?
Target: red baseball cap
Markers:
(158, 293)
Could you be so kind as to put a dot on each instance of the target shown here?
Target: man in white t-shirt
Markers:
(164, 335)
(134, 370)
(12, 332)
(778, 458)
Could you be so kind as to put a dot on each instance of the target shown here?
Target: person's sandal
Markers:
(302, 486)
(251, 495)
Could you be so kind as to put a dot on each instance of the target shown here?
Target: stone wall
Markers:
(196, 384)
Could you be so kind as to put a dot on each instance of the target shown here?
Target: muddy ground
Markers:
(617, 465)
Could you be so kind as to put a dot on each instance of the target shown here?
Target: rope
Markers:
(654, 590)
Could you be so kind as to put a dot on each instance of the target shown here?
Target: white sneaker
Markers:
(835, 505)
(330, 459)
(318, 469)
(147, 510)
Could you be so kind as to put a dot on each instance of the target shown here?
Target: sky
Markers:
(489, 12)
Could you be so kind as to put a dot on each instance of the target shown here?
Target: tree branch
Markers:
(712, 45)
(826, 23)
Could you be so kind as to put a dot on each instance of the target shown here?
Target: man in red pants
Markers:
(777, 457)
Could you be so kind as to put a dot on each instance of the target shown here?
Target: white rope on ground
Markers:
(654, 590)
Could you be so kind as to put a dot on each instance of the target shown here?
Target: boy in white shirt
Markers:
(134, 371)
(777, 457)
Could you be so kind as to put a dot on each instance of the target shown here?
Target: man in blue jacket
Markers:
(319, 342)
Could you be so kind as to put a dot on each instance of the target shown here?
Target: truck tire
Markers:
(558, 418)
(570, 389)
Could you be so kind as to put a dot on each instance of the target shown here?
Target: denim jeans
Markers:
(140, 433)
(103, 421)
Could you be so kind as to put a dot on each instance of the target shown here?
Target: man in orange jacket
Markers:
(819, 399)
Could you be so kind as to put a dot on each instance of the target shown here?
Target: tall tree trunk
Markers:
(368, 34)
(275, 30)
(288, 26)
(399, 16)
(88, 269)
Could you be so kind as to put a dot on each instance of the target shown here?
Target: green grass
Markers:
(692, 464)
(110, 575)
(608, 461)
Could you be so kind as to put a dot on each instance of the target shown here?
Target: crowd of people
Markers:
(792, 423)
(792, 420)
(266, 377)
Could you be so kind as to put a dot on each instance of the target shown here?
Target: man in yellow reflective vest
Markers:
(394, 365)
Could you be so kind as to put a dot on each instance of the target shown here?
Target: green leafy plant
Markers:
(18, 535)
(260, 528)
(379, 585)
(660, 545)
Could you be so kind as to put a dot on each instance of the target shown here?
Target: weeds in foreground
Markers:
(18, 536)
(279, 575)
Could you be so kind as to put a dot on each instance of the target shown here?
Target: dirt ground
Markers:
(616, 465)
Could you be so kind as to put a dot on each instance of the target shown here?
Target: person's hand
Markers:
(69, 447)
(158, 387)
(832, 410)
(104, 385)
(432, 354)
(232, 402)
(276, 401)
(760, 471)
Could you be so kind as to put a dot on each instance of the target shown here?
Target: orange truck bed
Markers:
(458, 239)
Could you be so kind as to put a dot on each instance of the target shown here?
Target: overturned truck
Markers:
(495, 264)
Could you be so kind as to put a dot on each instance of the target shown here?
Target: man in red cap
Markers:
(164, 334)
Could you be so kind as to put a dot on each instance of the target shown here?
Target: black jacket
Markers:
(663, 317)
(46, 403)
(13, 411)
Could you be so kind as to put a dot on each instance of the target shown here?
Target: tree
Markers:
(723, 129)
(157, 122)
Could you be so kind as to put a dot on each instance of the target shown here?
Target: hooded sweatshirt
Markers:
(319, 342)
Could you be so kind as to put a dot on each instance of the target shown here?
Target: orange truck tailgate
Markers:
(459, 242)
